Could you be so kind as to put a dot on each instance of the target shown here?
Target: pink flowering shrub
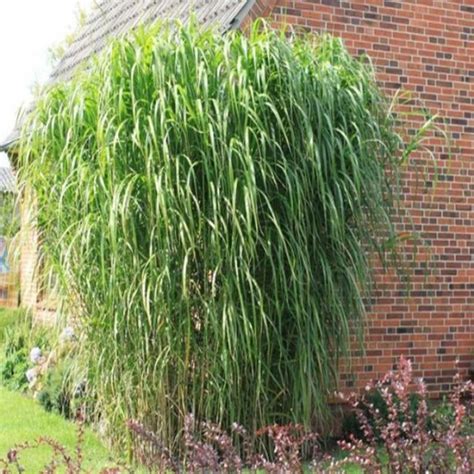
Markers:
(407, 439)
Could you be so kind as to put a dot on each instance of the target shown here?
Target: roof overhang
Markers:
(8, 143)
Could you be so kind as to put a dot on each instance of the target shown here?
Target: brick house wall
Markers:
(425, 47)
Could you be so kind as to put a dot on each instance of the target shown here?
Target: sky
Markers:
(28, 29)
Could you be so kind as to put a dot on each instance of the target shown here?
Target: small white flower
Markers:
(67, 334)
(31, 375)
(35, 355)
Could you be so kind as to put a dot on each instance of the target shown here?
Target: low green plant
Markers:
(55, 395)
(444, 414)
(13, 370)
(210, 204)
(8, 318)
(47, 358)
(9, 216)
(58, 389)
(18, 340)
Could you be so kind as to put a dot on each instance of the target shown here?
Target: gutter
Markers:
(242, 15)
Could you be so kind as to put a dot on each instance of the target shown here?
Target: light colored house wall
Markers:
(28, 247)
(9, 267)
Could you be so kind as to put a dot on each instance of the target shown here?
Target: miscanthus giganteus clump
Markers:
(208, 204)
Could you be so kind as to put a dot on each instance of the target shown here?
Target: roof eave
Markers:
(6, 146)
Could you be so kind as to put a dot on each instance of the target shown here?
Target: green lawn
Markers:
(22, 419)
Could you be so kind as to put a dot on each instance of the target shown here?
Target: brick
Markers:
(422, 46)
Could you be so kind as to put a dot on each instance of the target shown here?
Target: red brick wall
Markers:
(261, 8)
(426, 47)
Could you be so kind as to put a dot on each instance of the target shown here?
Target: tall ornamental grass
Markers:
(209, 204)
